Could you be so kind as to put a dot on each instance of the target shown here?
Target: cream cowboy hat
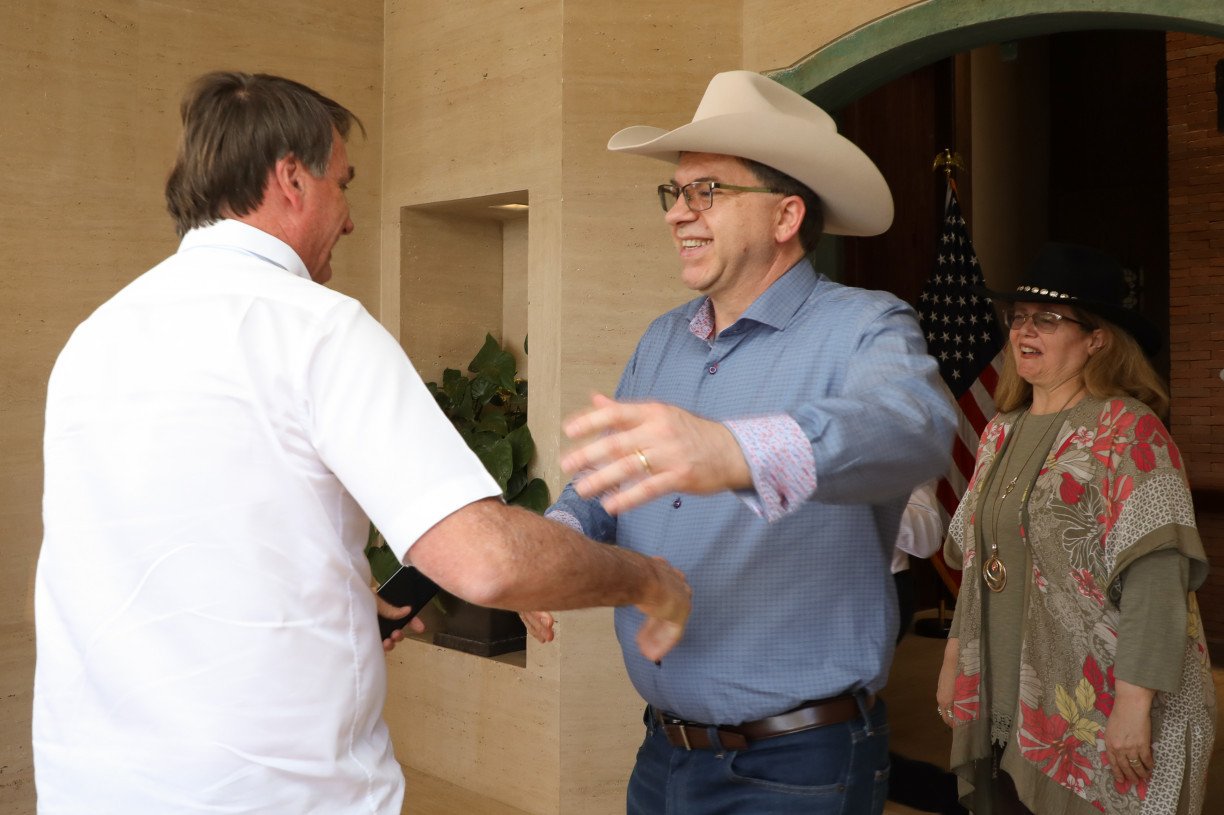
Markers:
(749, 115)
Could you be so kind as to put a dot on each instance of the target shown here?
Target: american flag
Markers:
(961, 333)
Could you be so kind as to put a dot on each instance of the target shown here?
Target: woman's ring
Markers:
(645, 461)
(1133, 761)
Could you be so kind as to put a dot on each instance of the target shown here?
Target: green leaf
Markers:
(458, 390)
(518, 480)
(495, 423)
(494, 363)
(479, 440)
(452, 379)
(533, 497)
(498, 459)
(383, 563)
(487, 355)
(523, 446)
(483, 389)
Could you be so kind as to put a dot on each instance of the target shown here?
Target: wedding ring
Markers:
(1133, 761)
(645, 461)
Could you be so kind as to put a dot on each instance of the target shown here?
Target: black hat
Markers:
(1086, 279)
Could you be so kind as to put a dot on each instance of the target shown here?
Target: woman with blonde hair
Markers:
(1076, 678)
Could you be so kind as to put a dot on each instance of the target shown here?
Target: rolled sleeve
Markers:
(780, 458)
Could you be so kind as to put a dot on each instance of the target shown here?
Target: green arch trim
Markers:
(894, 45)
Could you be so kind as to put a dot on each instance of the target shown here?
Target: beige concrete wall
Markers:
(778, 33)
(473, 110)
(89, 98)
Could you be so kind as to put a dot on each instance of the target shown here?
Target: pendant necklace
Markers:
(994, 571)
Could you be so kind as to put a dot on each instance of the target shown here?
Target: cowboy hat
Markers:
(1089, 280)
(748, 115)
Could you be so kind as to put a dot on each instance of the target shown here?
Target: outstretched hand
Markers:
(630, 453)
(666, 614)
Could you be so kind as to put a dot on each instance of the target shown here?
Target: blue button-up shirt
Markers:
(802, 607)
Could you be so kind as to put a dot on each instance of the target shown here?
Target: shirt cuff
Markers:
(563, 517)
(780, 458)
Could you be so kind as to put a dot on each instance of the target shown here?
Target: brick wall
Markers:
(1196, 296)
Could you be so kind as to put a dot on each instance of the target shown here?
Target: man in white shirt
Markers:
(216, 435)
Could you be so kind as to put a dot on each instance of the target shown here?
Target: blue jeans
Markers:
(838, 768)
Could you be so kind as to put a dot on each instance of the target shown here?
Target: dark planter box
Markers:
(486, 632)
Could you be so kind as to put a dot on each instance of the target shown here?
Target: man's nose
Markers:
(680, 212)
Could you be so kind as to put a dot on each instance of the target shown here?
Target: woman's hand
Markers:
(1128, 733)
(945, 690)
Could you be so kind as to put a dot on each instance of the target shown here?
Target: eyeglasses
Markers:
(1045, 322)
(699, 195)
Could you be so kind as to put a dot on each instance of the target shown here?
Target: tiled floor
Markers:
(915, 733)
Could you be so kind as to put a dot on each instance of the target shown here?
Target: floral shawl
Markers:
(1111, 490)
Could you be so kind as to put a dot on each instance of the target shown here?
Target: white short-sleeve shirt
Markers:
(216, 434)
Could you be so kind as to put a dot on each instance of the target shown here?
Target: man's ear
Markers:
(287, 179)
(790, 213)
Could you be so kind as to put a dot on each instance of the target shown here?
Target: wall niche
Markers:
(463, 275)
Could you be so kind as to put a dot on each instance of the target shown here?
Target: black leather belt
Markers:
(809, 715)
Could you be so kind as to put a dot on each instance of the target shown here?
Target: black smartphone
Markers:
(407, 587)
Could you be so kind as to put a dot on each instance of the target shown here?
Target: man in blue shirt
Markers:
(764, 438)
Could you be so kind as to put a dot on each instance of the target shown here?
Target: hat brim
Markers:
(1131, 322)
(854, 196)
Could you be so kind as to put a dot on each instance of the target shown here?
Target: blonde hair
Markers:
(1120, 368)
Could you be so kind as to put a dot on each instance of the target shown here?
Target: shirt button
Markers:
(676, 504)
(713, 368)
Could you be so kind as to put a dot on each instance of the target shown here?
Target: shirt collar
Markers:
(775, 307)
(236, 235)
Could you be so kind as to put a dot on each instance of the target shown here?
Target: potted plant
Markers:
(489, 409)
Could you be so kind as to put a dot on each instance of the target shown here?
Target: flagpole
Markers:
(949, 161)
(959, 326)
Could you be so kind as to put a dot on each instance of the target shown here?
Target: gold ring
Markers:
(1133, 761)
(645, 461)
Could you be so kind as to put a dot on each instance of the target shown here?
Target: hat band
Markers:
(1046, 292)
